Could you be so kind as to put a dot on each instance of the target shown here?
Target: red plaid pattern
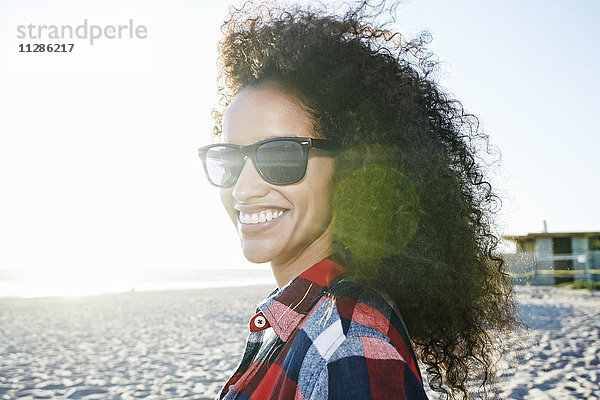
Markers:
(326, 337)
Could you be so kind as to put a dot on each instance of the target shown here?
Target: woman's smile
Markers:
(260, 217)
(260, 221)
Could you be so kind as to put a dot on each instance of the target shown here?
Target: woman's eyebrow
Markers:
(272, 137)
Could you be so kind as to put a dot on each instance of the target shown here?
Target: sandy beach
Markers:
(184, 344)
(558, 356)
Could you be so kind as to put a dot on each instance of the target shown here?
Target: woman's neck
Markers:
(289, 269)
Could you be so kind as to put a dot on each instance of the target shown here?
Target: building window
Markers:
(594, 243)
(562, 246)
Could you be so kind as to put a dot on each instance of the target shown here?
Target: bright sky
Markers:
(98, 162)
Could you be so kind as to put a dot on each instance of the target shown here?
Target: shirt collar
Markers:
(285, 308)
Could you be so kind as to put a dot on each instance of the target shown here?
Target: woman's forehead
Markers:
(258, 113)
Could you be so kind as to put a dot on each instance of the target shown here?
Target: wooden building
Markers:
(555, 257)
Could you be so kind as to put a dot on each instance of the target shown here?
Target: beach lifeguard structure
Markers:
(550, 258)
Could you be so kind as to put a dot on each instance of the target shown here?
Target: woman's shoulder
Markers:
(358, 296)
(355, 328)
(353, 314)
(363, 309)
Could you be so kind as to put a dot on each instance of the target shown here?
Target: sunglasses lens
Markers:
(282, 161)
(222, 165)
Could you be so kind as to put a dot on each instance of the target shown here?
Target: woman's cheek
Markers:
(227, 201)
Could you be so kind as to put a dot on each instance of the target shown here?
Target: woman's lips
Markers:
(260, 221)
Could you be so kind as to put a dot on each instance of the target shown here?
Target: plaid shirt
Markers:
(325, 337)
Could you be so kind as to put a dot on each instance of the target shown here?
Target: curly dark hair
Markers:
(430, 243)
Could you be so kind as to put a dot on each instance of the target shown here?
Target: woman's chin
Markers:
(256, 254)
(256, 260)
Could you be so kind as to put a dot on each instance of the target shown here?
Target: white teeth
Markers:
(259, 217)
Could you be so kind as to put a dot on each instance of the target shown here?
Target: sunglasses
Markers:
(279, 161)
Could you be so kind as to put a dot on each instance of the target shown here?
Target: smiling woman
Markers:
(342, 165)
(301, 234)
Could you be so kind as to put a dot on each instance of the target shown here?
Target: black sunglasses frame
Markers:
(251, 150)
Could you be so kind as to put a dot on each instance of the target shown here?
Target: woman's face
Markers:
(304, 224)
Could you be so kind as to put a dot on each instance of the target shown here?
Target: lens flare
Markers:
(376, 211)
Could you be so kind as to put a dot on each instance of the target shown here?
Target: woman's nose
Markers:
(249, 184)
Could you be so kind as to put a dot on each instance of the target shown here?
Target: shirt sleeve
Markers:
(367, 368)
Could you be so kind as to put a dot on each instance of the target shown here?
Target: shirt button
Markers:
(258, 323)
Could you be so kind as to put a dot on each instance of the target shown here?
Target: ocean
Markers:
(42, 283)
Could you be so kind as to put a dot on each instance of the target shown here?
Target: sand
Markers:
(558, 356)
(184, 345)
(154, 345)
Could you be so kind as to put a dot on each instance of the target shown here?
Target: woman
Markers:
(347, 169)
